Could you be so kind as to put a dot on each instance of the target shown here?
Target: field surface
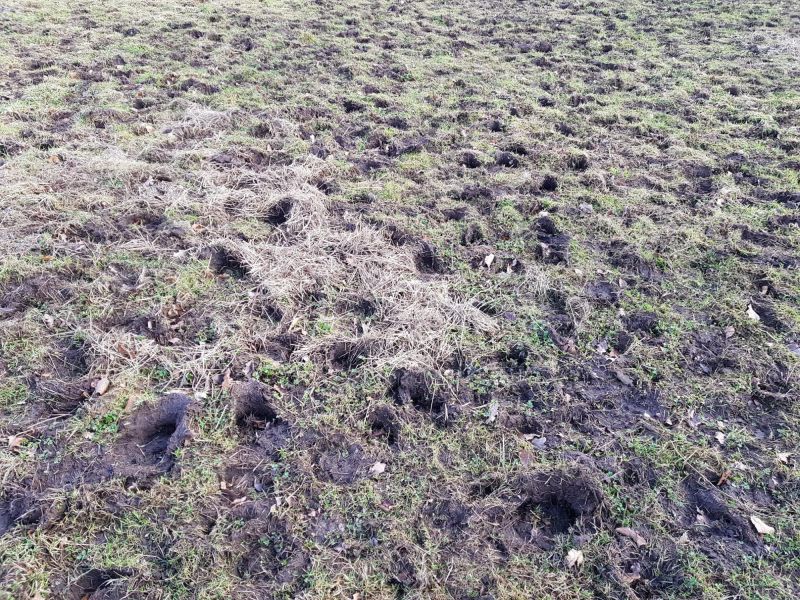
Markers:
(399, 299)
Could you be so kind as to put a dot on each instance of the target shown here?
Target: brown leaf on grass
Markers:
(102, 386)
(574, 558)
(630, 533)
(526, 457)
(494, 409)
(623, 378)
(761, 527)
(227, 381)
(15, 441)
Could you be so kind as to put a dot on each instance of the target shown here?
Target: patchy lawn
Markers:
(399, 299)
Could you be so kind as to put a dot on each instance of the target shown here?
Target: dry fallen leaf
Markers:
(227, 380)
(720, 437)
(101, 387)
(494, 408)
(630, 533)
(623, 378)
(526, 457)
(751, 314)
(726, 474)
(488, 261)
(377, 468)
(539, 443)
(729, 332)
(574, 558)
(15, 441)
(761, 527)
(784, 456)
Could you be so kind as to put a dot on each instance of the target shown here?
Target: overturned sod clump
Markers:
(392, 300)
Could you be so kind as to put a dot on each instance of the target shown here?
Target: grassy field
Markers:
(399, 299)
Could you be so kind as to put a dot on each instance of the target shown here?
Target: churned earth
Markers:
(399, 299)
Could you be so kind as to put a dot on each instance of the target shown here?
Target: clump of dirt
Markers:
(406, 146)
(523, 423)
(470, 160)
(516, 357)
(643, 322)
(506, 159)
(604, 292)
(549, 183)
(64, 396)
(554, 503)
(578, 162)
(150, 437)
(623, 257)
(473, 234)
(275, 437)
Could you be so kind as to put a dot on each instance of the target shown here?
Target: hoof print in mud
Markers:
(222, 261)
(19, 510)
(152, 434)
(427, 258)
(348, 355)
(280, 212)
(417, 389)
(553, 245)
(383, 425)
(448, 515)
(341, 462)
(65, 396)
(555, 503)
(100, 584)
(252, 409)
(268, 552)
(257, 420)
(711, 516)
